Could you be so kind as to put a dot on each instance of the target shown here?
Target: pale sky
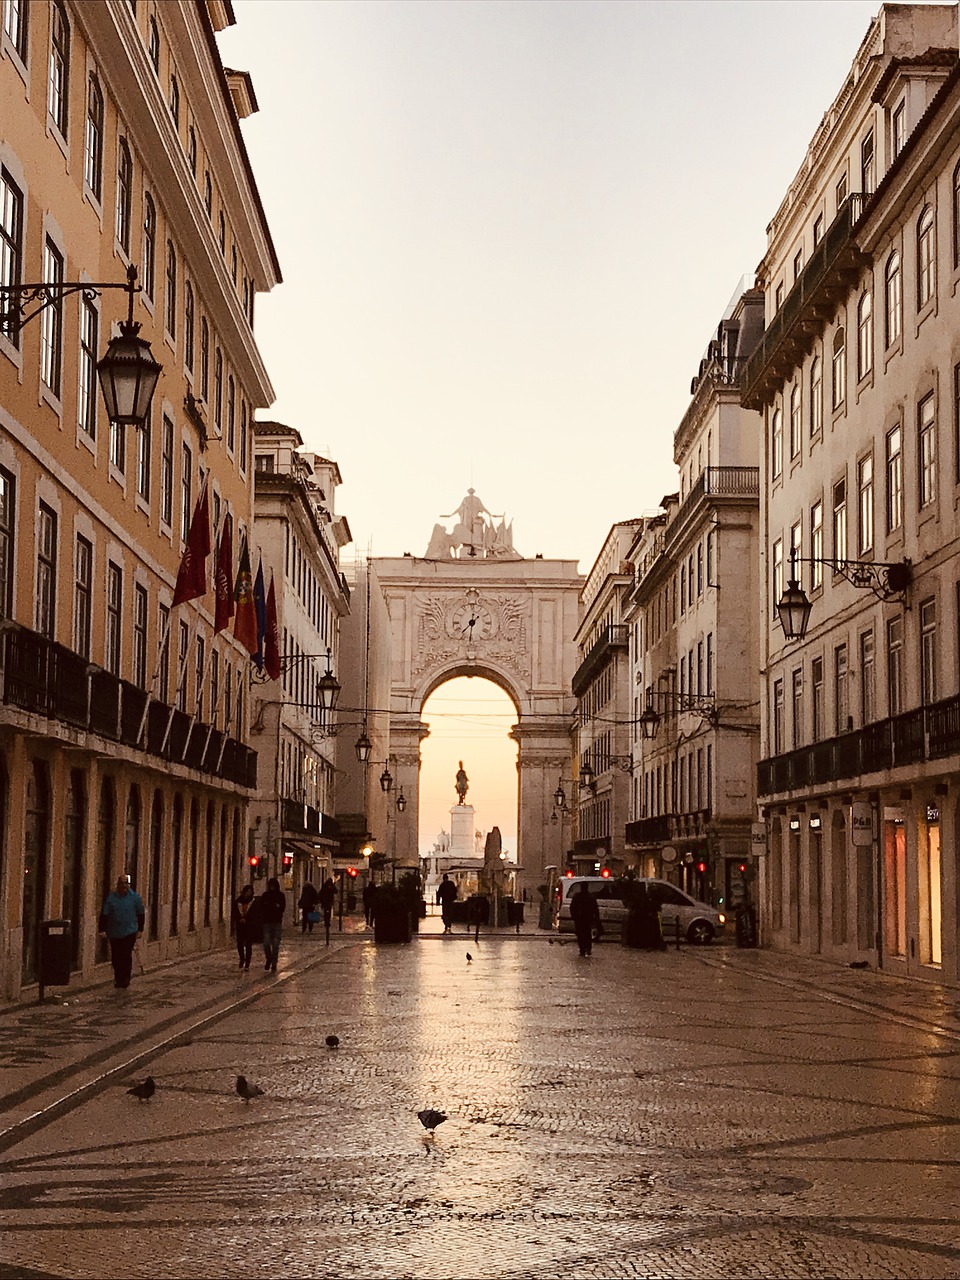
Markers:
(508, 229)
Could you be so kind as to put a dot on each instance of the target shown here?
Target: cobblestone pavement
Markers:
(696, 1112)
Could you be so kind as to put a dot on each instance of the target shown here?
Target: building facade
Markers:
(858, 379)
(123, 744)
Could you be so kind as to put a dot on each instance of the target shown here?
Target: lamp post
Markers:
(704, 705)
(887, 581)
(127, 372)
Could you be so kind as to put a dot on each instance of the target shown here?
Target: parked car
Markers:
(697, 921)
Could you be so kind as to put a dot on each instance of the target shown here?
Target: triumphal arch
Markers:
(473, 606)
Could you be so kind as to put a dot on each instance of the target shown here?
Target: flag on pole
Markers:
(271, 652)
(260, 605)
(245, 622)
(223, 581)
(192, 576)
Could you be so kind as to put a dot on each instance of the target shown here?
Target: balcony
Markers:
(648, 830)
(834, 264)
(47, 679)
(615, 636)
(925, 733)
(737, 483)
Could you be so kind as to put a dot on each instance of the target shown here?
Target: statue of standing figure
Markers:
(462, 784)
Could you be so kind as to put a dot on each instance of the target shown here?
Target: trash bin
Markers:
(55, 953)
(746, 925)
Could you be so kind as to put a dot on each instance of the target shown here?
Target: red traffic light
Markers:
(352, 872)
(742, 868)
(288, 859)
(605, 873)
(253, 860)
(701, 867)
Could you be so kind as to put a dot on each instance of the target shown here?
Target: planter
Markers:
(391, 924)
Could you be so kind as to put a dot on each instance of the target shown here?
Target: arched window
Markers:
(893, 300)
(93, 142)
(149, 246)
(816, 397)
(188, 325)
(796, 420)
(864, 336)
(58, 80)
(170, 300)
(175, 101)
(124, 194)
(839, 369)
(925, 261)
(153, 45)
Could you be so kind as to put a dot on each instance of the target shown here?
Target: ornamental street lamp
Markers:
(887, 581)
(704, 705)
(127, 371)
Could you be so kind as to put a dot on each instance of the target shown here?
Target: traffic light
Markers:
(701, 867)
(254, 861)
(742, 868)
(352, 872)
(287, 861)
(605, 873)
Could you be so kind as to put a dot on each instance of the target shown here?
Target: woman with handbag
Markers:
(308, 907)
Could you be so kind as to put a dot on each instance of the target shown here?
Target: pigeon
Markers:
(430, 1118)
(145, 1089)
(247, 1089)
(333, 1042)
(469, 957)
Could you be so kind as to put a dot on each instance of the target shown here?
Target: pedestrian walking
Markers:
(244, 924)
(308, 907)
(121, 921)
(273, 903)
(446, 896)
(327, 897)
(369, 898)
(585, 914)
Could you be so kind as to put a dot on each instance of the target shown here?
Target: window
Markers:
(776, 444)
(928, 651)
(699, 569)
(683, 588)
(149, 246)
(797, 264)
(817, 229)
(894, 479)
(865, 505)
(16, 15)
(143, 461)
(124, 195)
(118, 446)
(864, 337)
(51, 319)
(816, 688)
(192, 150)
(175, 101)
(188, 325)
(214, 688)
(868, 175)
(93, 141)
(140, 603)
(778, 707)
(796, 548)
(46, 601)
(956, 420)
(218, 391)
(925, 259)
(245, 431)
(898, 128)
(199, 674)
(709, 689)
(868, 691)
(204, 359)
(894, 666)
(816, 397)
(222, 233)
(816, 546)
(797, 694)
(82, 596)
(778, 297)
(841, 191)
(8, 523)
(711, 581)
(796, 421)
(181, 692)
(58, 79)
(839, 369)
(163, 653)
(231, 413)
(777, 564)
(956, 217)
(186, 482)
(841, 698)
(11, 243)
(926, 451)
(111, 647)
(153, 45)
(170, 297)
(840, 520)
(207, 193)
(166, 472)
(89, 343)
(893, 317)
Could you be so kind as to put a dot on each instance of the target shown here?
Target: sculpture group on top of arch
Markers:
(477, 535)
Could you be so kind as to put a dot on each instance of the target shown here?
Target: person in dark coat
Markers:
(121, 921)
(585, 913)
(273, 903)
(446, 896)
(307, 904)
(649, 927)
(369, 898)
(244, 921)
(327, 897)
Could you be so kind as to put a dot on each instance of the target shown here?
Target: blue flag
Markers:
(260, 606)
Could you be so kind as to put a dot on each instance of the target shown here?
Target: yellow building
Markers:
(120, 146)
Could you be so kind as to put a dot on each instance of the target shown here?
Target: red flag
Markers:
(245, 623)
(223, 582)
(192, 577)
(271, 653)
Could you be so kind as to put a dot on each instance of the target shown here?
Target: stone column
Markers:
(406, 734)
(544, 756)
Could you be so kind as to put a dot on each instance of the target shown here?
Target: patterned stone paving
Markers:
(702, 1113)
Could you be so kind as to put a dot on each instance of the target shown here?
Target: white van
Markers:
(697, 922)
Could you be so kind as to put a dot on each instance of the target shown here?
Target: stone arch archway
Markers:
(507, 620)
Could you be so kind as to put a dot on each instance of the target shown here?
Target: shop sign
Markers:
(861, 824)
(758, 837)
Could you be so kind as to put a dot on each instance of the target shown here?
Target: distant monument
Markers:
(462, 784)
(475, 536)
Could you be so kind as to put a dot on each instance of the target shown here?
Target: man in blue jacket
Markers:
(121, 921)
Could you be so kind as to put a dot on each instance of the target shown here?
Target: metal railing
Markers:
(614, 636)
